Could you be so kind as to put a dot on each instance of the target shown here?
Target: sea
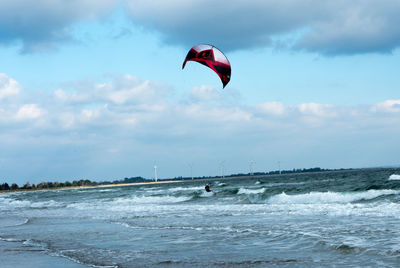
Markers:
(348, 218)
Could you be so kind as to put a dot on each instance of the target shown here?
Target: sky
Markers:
(94, 89)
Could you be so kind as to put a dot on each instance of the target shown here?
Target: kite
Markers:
(213, 58)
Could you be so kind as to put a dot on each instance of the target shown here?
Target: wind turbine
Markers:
(222, 168)
(279, 166)
(251, 167)
(191, 170)
(155, 173)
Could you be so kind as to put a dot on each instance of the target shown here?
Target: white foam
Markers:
(251, 191)
(107, 190)
(50, 203)
(207, 194)
(7, 203)
(128, 203)
(328, 197)
(151, 199)
(394, 177)
(195, 188)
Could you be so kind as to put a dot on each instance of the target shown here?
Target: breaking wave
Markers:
(251, 191)
(329, 197)
(178, 189)
(394, 177)
(14, 203)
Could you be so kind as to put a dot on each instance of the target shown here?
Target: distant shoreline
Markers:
(90, 186)
(200, 179)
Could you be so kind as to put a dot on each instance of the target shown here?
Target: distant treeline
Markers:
(77, 183)
(47, 185)
(275, 172)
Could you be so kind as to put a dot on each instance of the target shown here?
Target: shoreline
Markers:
(197, 179)
(90, 186)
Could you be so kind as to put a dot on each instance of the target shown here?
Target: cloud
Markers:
(100, 136)
(29, 111)
(335, 27)
(120, 90)
(274, 108)
(8, 86)
(41, 25)
(71, 97)
(388, 106)
(205, 93)
(331, 28)
(317, 109)
(356, 27)
(131, 89)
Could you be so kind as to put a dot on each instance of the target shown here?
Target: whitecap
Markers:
(328, 197)
(207, 194)
(195, 188)
(251, 191)
(127, 203)
(394, 177)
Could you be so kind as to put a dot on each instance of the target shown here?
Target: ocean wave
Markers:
(17, 223)
(328, 197)
(207, 194)
(151, 199)
(7, 203)
(227, 229)
(107, 190)
(125, 203)
(394, 177)
(11, 240)
(251, 191)
(178, 189)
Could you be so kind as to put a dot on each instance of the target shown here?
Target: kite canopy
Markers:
(213, 58)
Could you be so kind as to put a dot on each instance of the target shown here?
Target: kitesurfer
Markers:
(207, 188)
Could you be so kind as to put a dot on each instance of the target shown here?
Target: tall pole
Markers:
(222, 168)
(251, 167)
(155, 173)
(191, 170)
(279, 166)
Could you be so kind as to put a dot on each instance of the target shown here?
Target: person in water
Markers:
(207, 187)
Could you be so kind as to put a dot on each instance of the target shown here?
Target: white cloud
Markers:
(29, 111)
(89, 114)
(143, 129)
(205, 93)
(317, 109)
(274, 108)
(8, 86)
(130, 89)
(218, 114)
(390, 106)
(74, 97)
(67, 120)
